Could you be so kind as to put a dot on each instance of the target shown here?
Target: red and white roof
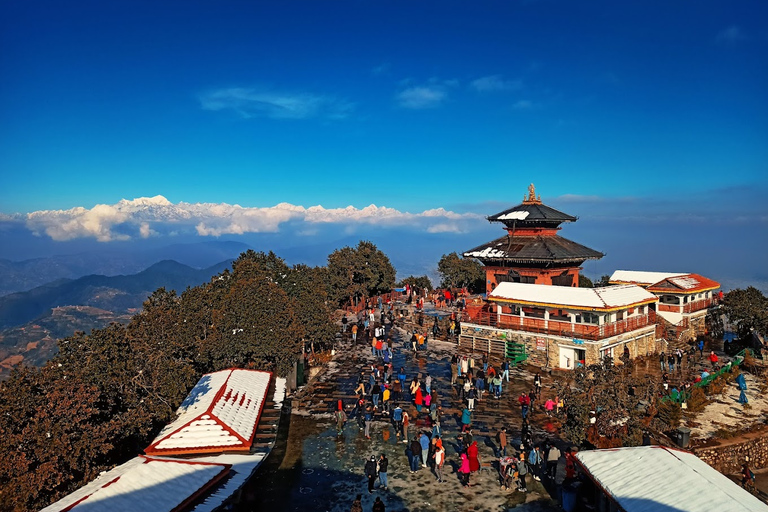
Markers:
(653, 478)
(220, 414)
(604, 299)
(144, 483)
(685, 284)
(660, 282)
(641, 277)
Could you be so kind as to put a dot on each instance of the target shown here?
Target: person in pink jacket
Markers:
(464, 470)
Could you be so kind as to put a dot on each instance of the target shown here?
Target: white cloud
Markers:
(421, 97)
(445, 228)
(730, 35)
(495, 83)
(249, 102)
(145, 231)
(145, 217)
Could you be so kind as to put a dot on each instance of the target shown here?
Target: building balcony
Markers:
(691, 307)
(559, 327)
(699, 305)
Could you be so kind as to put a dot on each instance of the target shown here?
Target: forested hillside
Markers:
(107, 394)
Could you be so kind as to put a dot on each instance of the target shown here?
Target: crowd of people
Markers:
(410, 403)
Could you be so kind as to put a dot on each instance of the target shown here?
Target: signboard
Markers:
(577, 341)
(541, 344)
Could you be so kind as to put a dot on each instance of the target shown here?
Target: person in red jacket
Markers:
(713, 359)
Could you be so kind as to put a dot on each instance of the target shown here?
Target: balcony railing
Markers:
(698, 305)
(559, 327)
(691, 307)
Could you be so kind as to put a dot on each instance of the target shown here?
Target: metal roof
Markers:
(641, 277)
(686, 284)
(219, 414)
(604, 298)
(144, 483)
(524, 249)
(654, 478)
(532, 212)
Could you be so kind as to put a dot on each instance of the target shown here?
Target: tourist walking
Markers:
(415, 448)
(371, 472)
(424, 443)
(368, 420)
(341, 419)
(474, 457)
(406, 422)
(463, 470)
(383, 467)
(525, 402)
(534, 462)
(397, 419)
(553, 455)
(522, 470)
(439, 461)
(466, 419)
(471, 398)
(502, 436)
(662, 360)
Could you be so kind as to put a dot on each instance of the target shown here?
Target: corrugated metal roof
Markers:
(653, 478)
(641, 277)
(608, 297)
(533, 212)
(141, 484)
(219, 414)
(686, 283)
(533, 249)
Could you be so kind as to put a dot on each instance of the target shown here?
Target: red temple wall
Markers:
(542, 276)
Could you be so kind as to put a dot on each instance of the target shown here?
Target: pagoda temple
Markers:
(532, 251)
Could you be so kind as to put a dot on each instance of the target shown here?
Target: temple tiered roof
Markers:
(533, 249)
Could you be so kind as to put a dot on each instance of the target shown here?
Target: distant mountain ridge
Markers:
(32, 321)
(19, 276)
(111, 293)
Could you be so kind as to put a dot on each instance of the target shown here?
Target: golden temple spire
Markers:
(532, 198)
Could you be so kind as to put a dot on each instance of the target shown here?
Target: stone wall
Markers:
(730, 454)
(543, 350)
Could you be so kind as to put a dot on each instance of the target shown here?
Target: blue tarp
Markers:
(730, 336)
(741, 382)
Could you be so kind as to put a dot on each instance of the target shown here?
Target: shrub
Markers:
(697, 400)
(670, 413)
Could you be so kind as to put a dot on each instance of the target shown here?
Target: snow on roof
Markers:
(641, 277)
(242, 465)
(605, 298)
(515, 215)
(242, 468)
(219, 414)
(653, 478)
(488, 252)
(144, 483)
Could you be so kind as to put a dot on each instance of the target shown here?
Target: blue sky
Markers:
(256, 103)
(626, 111)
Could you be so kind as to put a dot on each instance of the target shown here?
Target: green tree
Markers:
(585, 282)
(356, 273)
(462, 272)
(305, 287)
(747, 309)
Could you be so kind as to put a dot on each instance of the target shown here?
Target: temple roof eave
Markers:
(606, 309)
(532, 249)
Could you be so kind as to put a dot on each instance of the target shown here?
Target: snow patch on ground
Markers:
(726, 412)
